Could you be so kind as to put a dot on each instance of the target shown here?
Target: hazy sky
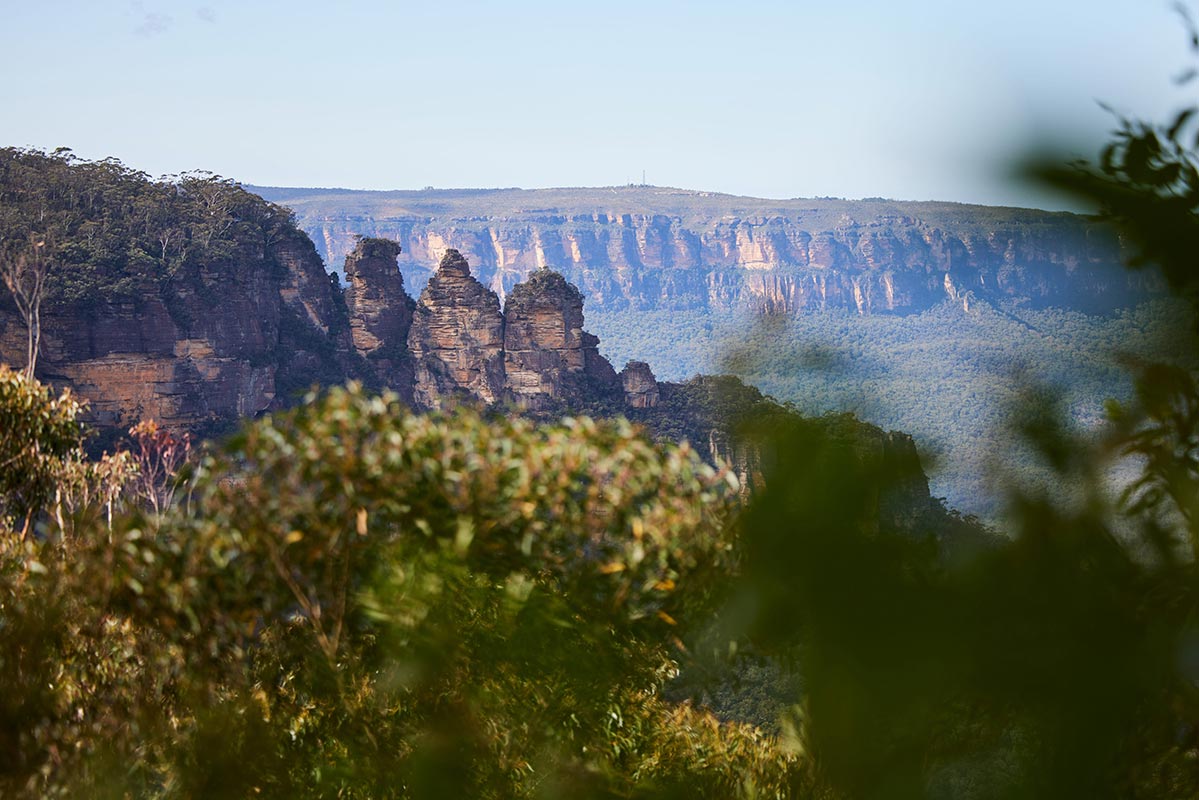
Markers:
(924, 99)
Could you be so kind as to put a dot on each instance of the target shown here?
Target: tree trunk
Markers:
(35, 337)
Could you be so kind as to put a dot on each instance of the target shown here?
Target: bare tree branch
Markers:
(24, 269)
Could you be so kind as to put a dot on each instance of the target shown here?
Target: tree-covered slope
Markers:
(948, 377)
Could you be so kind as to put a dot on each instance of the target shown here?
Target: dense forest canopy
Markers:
(119, 235)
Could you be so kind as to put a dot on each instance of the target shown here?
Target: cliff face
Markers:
(234, 343)
(688, 250)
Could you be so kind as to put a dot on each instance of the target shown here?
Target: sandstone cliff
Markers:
(380, 312)
(547, 354)
(242, 337)
(457, 338)
(647, 248)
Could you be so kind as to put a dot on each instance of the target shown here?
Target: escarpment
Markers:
(234, 339)
(644, 248)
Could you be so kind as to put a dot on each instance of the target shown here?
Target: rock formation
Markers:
(260, 331)
(244, 338)
(457, 338)
(651, 248)
(640, 386)
(380, 312)
(543, 339)
(534, 353)
(380, 309)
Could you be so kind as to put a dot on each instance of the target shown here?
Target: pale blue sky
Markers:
(925, 99)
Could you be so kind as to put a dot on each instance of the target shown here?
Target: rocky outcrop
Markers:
(535, 353)
(457, 338)
(547, 354)
(380, 312)
(648, 248)
(240, 339)
(640, 386)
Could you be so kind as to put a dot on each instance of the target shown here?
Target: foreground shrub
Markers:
(358, 601)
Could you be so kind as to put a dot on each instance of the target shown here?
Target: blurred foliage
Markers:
(1060, 662)
(945, 376)
(355, 601)
(1044, 666)
(39, 434)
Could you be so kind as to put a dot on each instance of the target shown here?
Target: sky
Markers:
(921, 100)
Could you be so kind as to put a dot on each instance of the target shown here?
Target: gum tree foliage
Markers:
(354, 601)
(117, 235)
(25, 268)
(40, 434)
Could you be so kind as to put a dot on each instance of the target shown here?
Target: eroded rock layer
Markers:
(380, 312)
(657, 248)
(457, 338)
(547, 354)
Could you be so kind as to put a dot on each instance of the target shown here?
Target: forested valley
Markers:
(948, 376)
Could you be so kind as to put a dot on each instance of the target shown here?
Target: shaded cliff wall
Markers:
(240, 338)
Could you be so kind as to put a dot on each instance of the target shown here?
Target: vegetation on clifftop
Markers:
(119, 235)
